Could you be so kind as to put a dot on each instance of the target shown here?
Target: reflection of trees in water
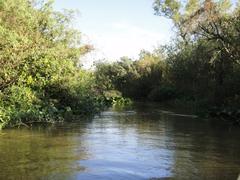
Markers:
(51, 152)
(203, 151)
(182, 147)
(195, 149)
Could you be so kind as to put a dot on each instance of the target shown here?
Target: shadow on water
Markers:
(144, 142)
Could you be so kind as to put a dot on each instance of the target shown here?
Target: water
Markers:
(145, 142)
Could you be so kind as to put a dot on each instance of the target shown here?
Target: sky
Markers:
(117, 28)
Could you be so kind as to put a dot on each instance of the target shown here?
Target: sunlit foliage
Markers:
(40, 80)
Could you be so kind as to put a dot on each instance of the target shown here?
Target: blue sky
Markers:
(118, 28)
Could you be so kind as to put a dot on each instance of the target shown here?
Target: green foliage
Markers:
(40, 80)
(161, 94)
(115, 99)
(169, 8)
(204, 63)
(199, 70)
(134, 79)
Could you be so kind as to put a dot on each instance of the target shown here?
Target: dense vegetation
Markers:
(134, 79)
(200, 68)
(40, 77)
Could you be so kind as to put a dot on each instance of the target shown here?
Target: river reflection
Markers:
(145, 142)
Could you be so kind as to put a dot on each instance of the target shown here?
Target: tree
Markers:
(213, 23)
(39, 56)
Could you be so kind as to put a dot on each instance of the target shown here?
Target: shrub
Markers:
(162, 94)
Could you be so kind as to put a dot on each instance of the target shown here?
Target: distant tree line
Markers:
(40, 53)
(201, 66)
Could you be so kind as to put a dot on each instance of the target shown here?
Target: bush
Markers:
(40, 80)
(162, 94)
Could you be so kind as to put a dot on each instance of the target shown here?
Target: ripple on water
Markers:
(143, 143)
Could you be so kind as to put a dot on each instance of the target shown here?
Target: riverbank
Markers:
(140, 142)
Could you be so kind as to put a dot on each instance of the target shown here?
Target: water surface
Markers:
(144, 142)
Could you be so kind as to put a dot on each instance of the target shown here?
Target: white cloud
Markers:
(123, 39)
